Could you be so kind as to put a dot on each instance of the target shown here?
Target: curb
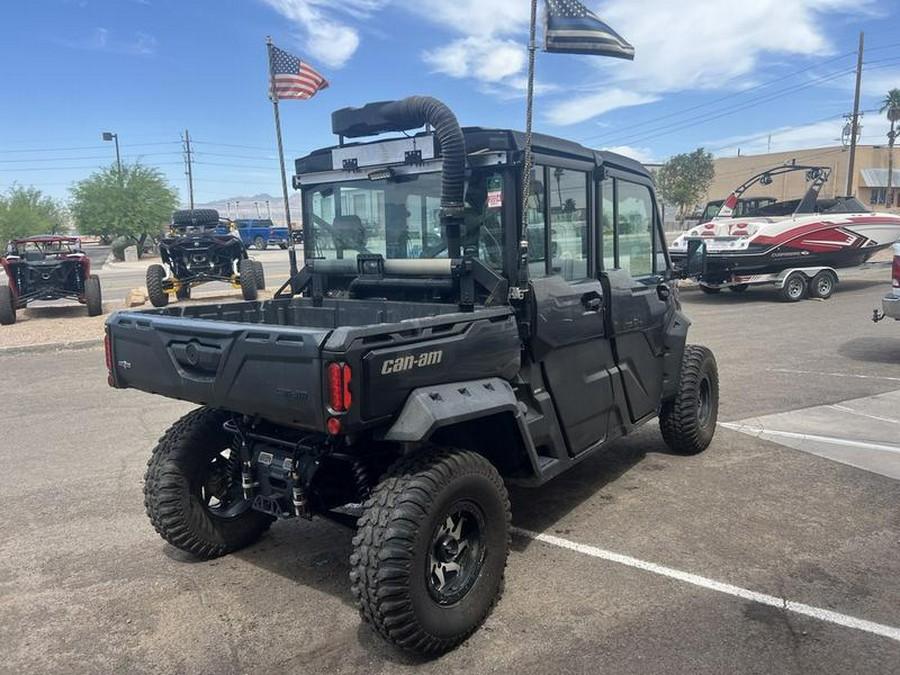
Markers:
(51, 347)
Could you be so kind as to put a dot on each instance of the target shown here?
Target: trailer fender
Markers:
(429, 408)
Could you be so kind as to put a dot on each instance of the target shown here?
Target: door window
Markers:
(634, 228)
(569, 244)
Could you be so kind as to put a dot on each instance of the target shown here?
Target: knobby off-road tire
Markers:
(155, 291)
(195, 217)
(432, 512)
(7, 306)
(247, 272)
(93, 296)
(192, 489)
(259, 275)
(688, 421)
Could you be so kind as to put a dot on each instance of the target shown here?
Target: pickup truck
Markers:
(890, 304)
(261, 232)
(429, 360)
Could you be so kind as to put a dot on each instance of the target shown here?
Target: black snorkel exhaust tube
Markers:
(411, 113)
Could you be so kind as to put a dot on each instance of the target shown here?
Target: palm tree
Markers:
(891, 105)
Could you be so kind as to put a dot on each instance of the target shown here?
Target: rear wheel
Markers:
(822, 285)
(7, 306)
(428, 558)
(795, 287)
(155, 290)
(93, 295)
(688, 421)
(192, 488)
(247, 272)
(260, 243)
(259, 275)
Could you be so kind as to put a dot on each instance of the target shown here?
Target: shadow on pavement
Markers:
(873, 349)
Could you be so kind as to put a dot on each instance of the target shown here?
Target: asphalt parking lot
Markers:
(776, 551)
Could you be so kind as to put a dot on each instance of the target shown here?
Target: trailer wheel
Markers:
(7, 306)
(795, 287)
(247, 272)
(192, 489)
(155, 291)
(822, 285)
(709, 290)
(93, 295)
(259, 275)
(688, 421)
(739, 288)
(428, 558)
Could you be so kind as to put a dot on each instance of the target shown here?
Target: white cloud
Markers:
(642, 155)
(486, 60)
(817, 135)
(580, 108)
(100, 39)
(325, 37)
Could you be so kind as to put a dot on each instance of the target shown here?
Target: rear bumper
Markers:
(890, 305)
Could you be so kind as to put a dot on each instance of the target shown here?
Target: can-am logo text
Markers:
(404, 363)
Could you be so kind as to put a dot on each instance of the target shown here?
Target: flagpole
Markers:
(292, 252)
(526, 188)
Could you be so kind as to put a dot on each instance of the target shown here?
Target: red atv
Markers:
(47, 267)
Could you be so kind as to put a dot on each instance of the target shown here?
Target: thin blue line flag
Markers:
(571, 28)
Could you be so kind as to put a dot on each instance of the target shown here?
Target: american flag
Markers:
(571, 28)
(292, 78)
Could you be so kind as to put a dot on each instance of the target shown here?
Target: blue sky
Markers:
(723, 75)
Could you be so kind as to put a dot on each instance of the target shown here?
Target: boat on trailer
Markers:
(795, 245)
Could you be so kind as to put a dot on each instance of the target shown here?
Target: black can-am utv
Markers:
(200, 249)
(425, 357)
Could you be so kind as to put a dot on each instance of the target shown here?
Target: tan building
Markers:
(869, 183)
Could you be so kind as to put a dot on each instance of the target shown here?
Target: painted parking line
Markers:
(771, 434)
(825, 615)
(793, 371)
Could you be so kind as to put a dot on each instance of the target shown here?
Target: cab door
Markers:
(570, 341)
(641, 302)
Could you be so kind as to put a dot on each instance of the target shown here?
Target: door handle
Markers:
(592, 301)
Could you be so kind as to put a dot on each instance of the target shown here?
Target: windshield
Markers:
(398, 217)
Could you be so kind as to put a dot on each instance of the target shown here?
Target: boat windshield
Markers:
(398, 217)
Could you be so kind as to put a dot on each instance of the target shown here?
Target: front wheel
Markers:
(247, 272)
(192, 489)
(688, 421)
(428, 558)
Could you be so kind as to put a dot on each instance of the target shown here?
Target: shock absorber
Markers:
(361, 475)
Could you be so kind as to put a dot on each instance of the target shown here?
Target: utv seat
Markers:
(348, 233)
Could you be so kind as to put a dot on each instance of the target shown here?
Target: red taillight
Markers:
(339, 397)
(108, 348)
(896, 271)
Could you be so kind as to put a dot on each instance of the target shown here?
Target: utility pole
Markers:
(188, 166)
(854, 122)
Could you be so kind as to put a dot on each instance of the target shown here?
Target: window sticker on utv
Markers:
(403, 363)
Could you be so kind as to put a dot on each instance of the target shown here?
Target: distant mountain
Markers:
(257, 206)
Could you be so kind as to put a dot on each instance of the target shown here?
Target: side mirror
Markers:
(695, 263)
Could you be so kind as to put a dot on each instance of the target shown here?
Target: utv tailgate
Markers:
(241, 368)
